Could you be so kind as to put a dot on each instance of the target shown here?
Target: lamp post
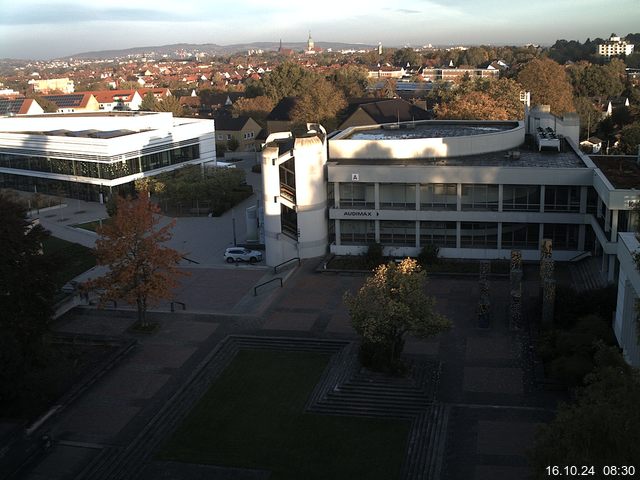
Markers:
(233, 224)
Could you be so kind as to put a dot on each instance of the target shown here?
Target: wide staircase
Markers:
(586, 274)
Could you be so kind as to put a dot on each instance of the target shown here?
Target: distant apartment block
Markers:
(456, 74)
(63, 85)
(615, 46)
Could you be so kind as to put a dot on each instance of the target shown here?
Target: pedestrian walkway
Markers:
(486, 407)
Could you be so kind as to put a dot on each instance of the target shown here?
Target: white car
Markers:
(238, 254)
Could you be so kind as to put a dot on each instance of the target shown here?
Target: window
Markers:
(399, 233)
(479, 235)
(520, 235)
(228, 136)
(479, 197)
(521, 198)
(220, 136)
(357, 232)
(357, 195)
(438, 196)
(563, 236)
(440, 234)
(398, 196)
(561, 199)
(289, 221)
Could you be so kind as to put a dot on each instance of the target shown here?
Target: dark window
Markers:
(357, 195)
(563, 236)
(561, 199)
(357, 232)
(439, 196)
(479, 197)
(520, 235)
(479, 235)
(399, 233)
(440, 234)
(521, 198)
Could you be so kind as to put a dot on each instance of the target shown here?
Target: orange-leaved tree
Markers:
(141, 269)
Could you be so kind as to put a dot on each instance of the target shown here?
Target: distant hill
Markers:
(214, 49)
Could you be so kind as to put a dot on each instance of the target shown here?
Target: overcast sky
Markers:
(49, 29)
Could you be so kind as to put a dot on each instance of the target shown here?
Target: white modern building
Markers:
(85, 154)
(474, 189)
(625, 325)
(615, 46)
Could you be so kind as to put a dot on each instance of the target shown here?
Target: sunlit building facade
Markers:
(86, 155)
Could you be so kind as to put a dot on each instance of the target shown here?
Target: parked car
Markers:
(240, 254)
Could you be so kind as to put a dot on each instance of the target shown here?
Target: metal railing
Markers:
(189, 260)
(275, 269)
(255, 289)
(182, 304)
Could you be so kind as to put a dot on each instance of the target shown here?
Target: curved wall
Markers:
(341, 146)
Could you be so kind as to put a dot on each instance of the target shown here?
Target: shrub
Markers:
(428, 255)
(571, 369)
(374, 255)
(375, 356)
(573, 306)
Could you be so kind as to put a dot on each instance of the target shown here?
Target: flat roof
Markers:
(432, 129)
(525, 157)
(99, 113)
(106, 134)
(622, 171)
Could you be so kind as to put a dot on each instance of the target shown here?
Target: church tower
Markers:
(310, 43)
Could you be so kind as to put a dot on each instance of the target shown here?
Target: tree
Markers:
(141, 269)
(149, 103)
(630, 139)
(286, 80)
(319, 103)
(391, 304)
(26, 293)
(257, 107)
(232, 144)
(601, 428)
(482, 100)
(548, 83)
(589, 114)
(170, 104)
(352, 80)
(47, 105)
(404, 56)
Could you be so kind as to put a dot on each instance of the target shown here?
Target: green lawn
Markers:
(92, 226)
(70, 259)
(253, 417)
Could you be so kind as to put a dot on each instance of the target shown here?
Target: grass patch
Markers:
(92, 226)
(49, 376)
(253, 417)
(70, 259)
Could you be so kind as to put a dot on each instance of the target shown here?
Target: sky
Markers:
(41, 29)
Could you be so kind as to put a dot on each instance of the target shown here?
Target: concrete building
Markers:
(62, 85)
(476, 190)
(615, 46)
(86, 155)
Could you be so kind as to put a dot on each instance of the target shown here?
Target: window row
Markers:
(472, 234)
(107, 171)
(444, 196)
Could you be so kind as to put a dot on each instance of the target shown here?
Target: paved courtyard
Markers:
(486, 377)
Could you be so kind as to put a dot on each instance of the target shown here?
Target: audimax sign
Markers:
(360, 213)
